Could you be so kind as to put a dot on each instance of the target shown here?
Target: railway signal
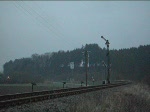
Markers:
(108, 60)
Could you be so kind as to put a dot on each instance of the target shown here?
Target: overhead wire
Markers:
(23, 10)
(32, 15)
(60, 33)
(44, 22)
(28, 14)
(40, 9)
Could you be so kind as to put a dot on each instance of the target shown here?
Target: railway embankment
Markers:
(131, 98)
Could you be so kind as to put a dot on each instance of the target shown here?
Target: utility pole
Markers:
(108, 59)
(86, 54)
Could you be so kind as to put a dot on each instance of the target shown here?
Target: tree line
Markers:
(132, 63)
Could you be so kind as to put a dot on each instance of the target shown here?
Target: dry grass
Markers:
(134, 98)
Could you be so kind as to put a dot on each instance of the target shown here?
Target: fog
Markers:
(29, 27)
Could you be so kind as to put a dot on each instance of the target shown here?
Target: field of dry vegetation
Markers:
(131, 98)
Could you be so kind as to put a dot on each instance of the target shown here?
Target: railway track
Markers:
(23, 98)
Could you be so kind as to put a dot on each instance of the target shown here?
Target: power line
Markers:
(42, 20)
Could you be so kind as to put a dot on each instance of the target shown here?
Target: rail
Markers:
(18, 99)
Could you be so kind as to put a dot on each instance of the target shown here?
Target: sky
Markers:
(29, 27)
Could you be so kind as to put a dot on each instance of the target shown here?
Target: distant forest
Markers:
(127, 64)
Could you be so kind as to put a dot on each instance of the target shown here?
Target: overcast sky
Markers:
(39, 27)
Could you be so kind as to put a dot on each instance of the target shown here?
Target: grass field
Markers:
(21, 88)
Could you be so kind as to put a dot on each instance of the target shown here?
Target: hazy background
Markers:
(29, 27)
